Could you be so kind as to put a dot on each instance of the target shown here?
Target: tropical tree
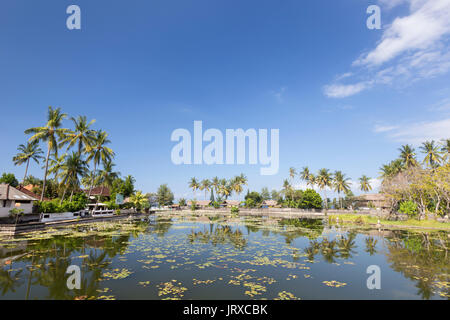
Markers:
(194, 185)
(205, 184)
(292, 174)
(215, 182)
(237, 183)
(392, 169)
(324, 180)
(82, 135)
(446, 149)
(225, 188)
(98, 152)
(432, 154)
(139, 200)
(73, 168)
(49, 133)
(28, 152)
(287, 189)
(408, 156)
(164, 195)
(364, 182)
(341, 184)
(107, 175)
(55, 164)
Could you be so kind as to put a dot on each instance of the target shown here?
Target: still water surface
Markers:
(166, 257)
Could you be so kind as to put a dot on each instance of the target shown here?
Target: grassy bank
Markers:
(368, 220)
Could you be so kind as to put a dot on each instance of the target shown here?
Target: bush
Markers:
(216, 205)
(79, 202)
(235, 210)
(310, 200)
(193, 205)
(408, 207)
(253, 199)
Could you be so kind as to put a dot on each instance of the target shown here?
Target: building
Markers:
(99, 192)
(201, 204)
(270, 204)
(11, 198)
(372, 200)
(232, 203)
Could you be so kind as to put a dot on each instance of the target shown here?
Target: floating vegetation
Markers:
(238, 258)
(334, 283)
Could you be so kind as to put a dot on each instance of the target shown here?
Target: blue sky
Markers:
(343, 97)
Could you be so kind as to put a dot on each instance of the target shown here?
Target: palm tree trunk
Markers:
(71, 195)
(45, 173)
(64, 194)
(92, 180)
(26, 171)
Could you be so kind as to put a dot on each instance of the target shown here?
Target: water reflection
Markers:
(33, 266)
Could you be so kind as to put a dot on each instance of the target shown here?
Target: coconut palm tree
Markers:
(82, 135)
(28, 152)
(50, 134)
(292, 174)
(364, 182)
(392, 169)
(446, 149)
(107, 175)
(408, 156)
(432, 154)
(225, 188)
(215, 182)
(304, 174)
(99, 152)
(194, 185)
(287, 188)
(238, 183)
(205, 184)
(55, 165)
(341, 184)
(324, 180)
(73, 168)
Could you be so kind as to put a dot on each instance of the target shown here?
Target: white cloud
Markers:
(278, 94)
(416, 133)
(379, 128)
(342, 91)
(412, 47)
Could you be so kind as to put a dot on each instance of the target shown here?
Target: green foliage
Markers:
(9, 178)
(79, 202)
(193, 205)
(253, 200)
(164, 195)
(182, 202)
(408, 207)
(215, 204)
(310, 200)
(16, 214)
(234, 210)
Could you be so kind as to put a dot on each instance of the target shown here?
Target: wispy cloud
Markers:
(418, 132)
(278, 94)
(411, 48)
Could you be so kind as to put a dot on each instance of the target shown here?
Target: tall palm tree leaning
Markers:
(82, 135)
(324, 180)
(341, 184)
(107, 175)
(98, 152)
(50, 134)
(432, 154)
(408, 156)
(31, 151)
(364, 182)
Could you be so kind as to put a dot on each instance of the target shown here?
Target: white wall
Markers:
(4, 211)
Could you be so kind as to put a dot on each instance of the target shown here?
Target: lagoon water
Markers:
(173, 257)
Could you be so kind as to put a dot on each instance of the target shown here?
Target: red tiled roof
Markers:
(30, 193)
(99, 191)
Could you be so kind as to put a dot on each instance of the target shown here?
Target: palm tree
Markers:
(408, 156)
(238, 183)
(292, 174)
(392, 169)
(194, 185)
(107, 175)
(71, 170)
(31, 151)
(341, 184)
(304, 174)
(446, 149)
(287, 188)
(49, 133)
(82, 135)
(432, 154)
(205, 184)
(55, 164)
(365, 183)
(139, 200)
(225, 188)
(215, 182)
(98, 151)
(324, 179)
